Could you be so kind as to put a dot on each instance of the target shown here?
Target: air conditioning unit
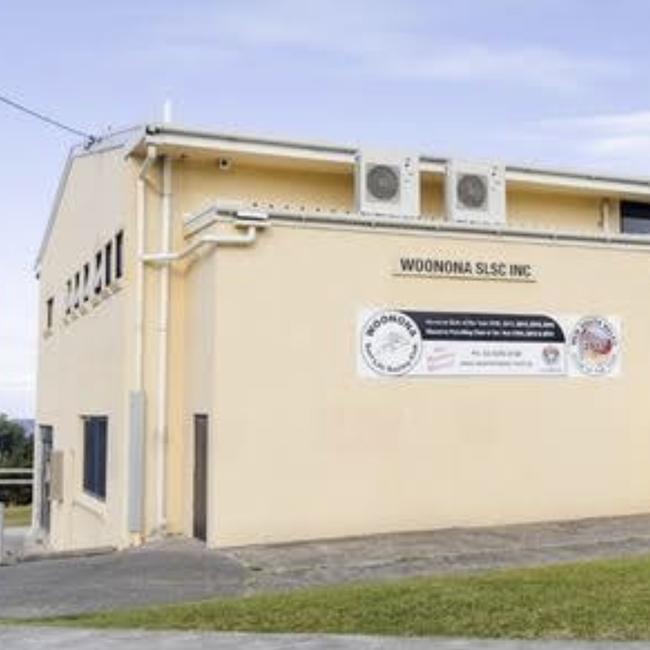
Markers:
(475, 192)
(387, 184)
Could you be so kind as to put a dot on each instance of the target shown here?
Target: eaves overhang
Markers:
(179, 141)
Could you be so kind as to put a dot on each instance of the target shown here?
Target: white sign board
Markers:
(396, 342)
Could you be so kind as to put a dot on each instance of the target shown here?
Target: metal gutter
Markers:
(238, 139)
(198, 222)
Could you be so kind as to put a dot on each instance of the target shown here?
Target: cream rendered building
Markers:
(245, 340)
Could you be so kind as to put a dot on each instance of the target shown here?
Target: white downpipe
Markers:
(207, 240)
(163, 357)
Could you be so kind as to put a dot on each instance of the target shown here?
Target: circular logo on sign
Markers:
(391, 343)
(594, 345)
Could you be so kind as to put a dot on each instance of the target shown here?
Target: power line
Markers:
(91, 139)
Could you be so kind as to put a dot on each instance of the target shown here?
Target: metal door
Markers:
(45, 478)
(200, 476)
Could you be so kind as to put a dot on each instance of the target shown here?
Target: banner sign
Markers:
(422, 343)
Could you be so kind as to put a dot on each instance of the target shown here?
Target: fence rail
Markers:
(23, 476)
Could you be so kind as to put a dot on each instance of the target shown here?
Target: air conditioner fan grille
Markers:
(382, 182)
(472, 191)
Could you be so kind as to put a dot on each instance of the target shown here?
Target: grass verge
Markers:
(591, 600)
(18, 516)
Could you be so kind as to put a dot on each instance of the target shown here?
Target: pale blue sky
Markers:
(560, 83)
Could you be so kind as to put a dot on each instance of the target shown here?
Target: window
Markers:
(68, 297)
(108, 270)
(77, 288)
(98, 272)
(49, 313)
(94, 476)
(635, 218)
(119, 255)
(86, 289)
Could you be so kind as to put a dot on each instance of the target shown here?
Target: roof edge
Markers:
(107, 142)
(543, 175)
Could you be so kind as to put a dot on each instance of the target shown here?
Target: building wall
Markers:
(262, 340)
(83, 364)
(305, 448)
(300, 446)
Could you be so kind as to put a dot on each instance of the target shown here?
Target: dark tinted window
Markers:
(68, 300)
(108, 259)
(119, 255)
(50, 313)
(98, 272)
(95, 433)
(77, 284)
(86, 285)
(635, 217)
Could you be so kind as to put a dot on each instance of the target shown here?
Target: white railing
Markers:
(20, 472)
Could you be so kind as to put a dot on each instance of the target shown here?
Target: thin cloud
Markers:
(625, 123)
(615, 141)
(373, 39)
(527, 66)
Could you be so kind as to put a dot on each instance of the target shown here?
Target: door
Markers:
(45, 478)
(200, 477)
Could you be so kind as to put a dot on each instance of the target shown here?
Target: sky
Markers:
(556, 83)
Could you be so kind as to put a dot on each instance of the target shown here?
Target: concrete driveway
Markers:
(178, 570)
(62, 639)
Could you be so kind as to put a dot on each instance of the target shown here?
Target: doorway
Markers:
(200, 525)
(45, 478)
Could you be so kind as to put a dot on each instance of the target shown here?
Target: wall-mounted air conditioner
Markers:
(387, 184)
(475, 192)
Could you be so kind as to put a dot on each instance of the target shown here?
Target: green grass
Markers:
(18, 516)
(594, 600)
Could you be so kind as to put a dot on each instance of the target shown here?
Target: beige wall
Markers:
(262, 339)
(200, 184)
(561, 211)
(83, 363)
(304, 447)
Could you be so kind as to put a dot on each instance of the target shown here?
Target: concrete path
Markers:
(62, 639)
(178, 570)
(14, 541)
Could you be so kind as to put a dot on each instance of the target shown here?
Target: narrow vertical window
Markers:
(119, 255)
(68, 296)
(94, 470)
(77, 288)
(98, 273)
(108, 266)
(49, 313)
(86, 285)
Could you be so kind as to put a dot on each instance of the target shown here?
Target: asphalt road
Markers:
(63, 639)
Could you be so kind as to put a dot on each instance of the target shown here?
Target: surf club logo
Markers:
(391, 343)
(594, 345)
